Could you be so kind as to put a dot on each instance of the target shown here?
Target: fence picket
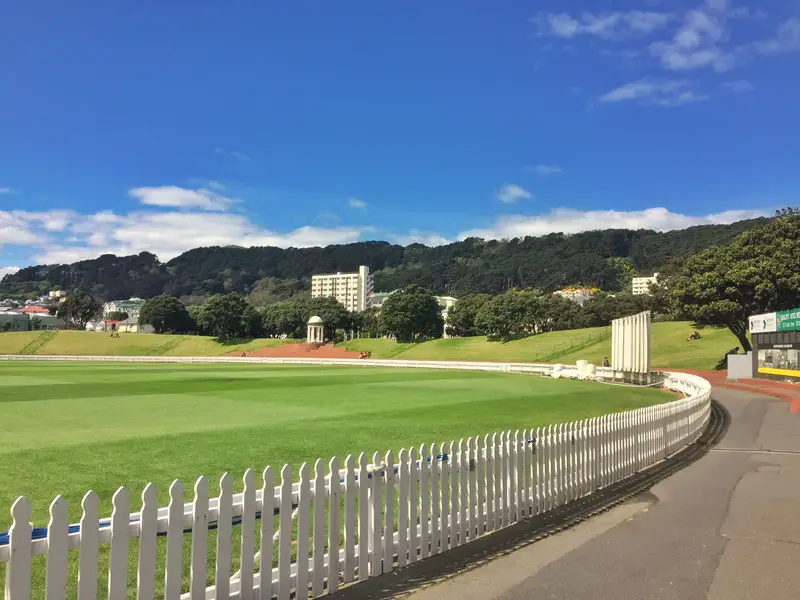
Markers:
(419, 484)
(444, 511)
(519, 476)
(266, 541)
(318, 546)
(491, 469)
(285, 537)
(497, 457)
(375, 514)
(526, 456)
(480, 458)
(18, 570)
(463, 502)
(472, 464)
(403, 475)
(434, 497)
(537, 472)
(247, 545)
(334, 516)
(363, 518)
(350, 495)
(118, 554)
(222, 576)
(89, 546)
(57, 548)
(388, 512)
(303, 523)
(146, 574)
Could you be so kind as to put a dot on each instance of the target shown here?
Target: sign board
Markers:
(630, 344)
(767, 323)
(788, 320)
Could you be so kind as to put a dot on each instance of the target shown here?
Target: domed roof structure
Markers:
(315, 321)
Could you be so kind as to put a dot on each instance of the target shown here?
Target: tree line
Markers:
(756, 272)
(604, 259)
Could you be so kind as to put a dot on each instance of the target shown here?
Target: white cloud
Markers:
(659, 93)
(171, 196)
(608, 25)
(699, 42)
(545, 170)
(168, 234)
(5, 190)
(787, 39)
(566, 220)
(511, 193)
(739, 86)
(356, 203)
(17, 228)
(7, 271)
(415, 236)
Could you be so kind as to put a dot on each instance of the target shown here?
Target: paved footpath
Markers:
(725, 528)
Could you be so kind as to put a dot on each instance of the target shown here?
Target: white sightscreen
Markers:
(630, 343)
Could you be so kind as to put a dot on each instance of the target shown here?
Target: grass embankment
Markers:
(86, 343)
(669, 347)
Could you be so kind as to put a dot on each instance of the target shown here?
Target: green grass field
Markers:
(72, 427)
(669, 347)
(69, 428)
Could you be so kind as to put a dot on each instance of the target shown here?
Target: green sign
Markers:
(788, 320)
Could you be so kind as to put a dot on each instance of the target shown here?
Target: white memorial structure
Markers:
(315, 332)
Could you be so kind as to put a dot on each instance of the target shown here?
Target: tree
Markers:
(758, 272)
(461, 318)
(290, 317)
(78, 309)
(229, 316)
(36, 324)
(412, 313)
(117, 316)
(503, 315)
(165, 313)
(368, 322)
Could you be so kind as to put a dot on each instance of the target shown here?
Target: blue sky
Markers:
(162, 126)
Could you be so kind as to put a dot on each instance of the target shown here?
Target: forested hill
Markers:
(604, 259)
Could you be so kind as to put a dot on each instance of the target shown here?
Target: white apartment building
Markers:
(641, 285)
(353, 290)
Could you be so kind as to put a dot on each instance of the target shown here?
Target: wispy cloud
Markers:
(415, 236)
(787, 39)
(171, 196)
(5, 190)
(240, 156)
(701, 37)
(566, 220)
(7, 271)
(608, 25)
(739, 86)
(545, 170)
(659, 93)
(511, 193)
(356, 203)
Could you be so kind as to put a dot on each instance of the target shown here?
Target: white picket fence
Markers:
(336, 526)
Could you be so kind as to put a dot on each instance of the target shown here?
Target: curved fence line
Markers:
(340, 525)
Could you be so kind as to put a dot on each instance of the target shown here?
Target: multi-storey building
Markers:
(352, 290)
(641, 285)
